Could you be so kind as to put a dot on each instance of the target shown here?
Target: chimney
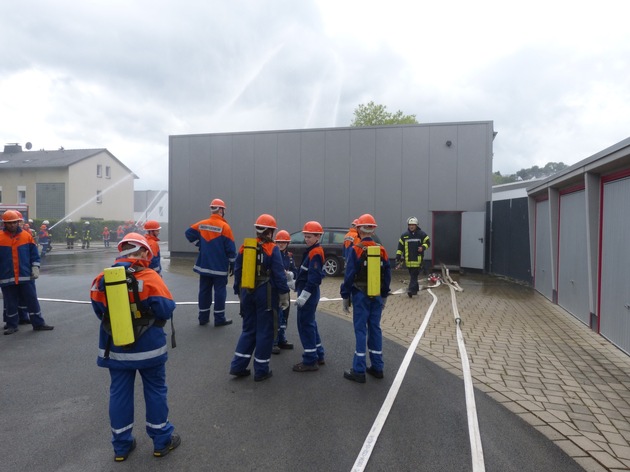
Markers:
(12, 148)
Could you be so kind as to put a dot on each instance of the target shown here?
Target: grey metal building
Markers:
(440, 173)
(580, 228)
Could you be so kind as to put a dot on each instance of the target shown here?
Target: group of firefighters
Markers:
(133, 304)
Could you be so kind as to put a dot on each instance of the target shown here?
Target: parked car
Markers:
(331, 242)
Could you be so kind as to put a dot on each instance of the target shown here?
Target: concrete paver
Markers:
(528, 354)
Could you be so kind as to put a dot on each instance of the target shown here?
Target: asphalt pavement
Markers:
(54, 399)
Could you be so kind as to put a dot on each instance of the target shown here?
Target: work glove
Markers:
(346, 305)
(231, 269)
(290, 280)
(303, 298)
(34, 272)
(284, 301)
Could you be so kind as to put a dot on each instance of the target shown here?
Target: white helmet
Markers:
(412, 221)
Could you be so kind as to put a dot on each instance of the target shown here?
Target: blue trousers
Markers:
(307, 329)
(366, 317)
(283, 316)
(121, 397)
(257, 335)
(19, 295)
(206, 284)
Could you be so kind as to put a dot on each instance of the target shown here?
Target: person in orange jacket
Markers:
(152, 229)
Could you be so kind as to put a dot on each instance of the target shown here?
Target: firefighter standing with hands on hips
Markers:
(134, 342)
(308, 280)
(283, 238)
(366, 283)
(217, 253)
(411, 247)
(19, 267)
(261, 284)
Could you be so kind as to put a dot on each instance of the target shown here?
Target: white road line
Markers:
(370, 441)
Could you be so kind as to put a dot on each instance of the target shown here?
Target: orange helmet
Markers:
(354, 222)
(264, 222)
(283, 236)
(367, 223)
(10, 216)
(151, 225)
(20, 214)
(216, 204)
(312, 227)
(137, 241)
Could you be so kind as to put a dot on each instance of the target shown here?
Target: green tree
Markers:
(376, 115)
(534, 172)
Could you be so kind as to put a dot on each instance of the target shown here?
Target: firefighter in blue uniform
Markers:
(217, 253)
(259, 303)
(147, 355)
(283, 238)
(19, 267)
(309, 278)
(411, 247)
(367, 309)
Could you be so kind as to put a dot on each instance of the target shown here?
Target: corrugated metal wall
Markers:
(330, 175)
(614, 312)
(510, 239)
(572, 282)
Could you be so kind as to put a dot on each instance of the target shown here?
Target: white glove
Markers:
(289, 275)
(346, 305)
(303, 298)
(284, 301)
(291, 284)
(34, 272)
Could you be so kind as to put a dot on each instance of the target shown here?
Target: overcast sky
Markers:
(554, 76)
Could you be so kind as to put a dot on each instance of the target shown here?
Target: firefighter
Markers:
(282, 241)
(147, 354)
(86, 237)
(217, 253)
(106, 234)
(308, 280)
(19, 268)
(259, 301)
(71, 234)
(152, 229)
(411, 247)
(367, 305)
(351, 238)
(44, 238)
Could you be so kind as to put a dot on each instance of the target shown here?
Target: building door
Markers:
(446, 238)
(614, 301)
(473, 238)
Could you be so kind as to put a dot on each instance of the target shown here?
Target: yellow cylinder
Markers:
(373, 271)
(118, 306)
(248, 274)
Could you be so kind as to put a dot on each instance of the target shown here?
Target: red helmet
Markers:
(264, 222)
(312, 227)
(20, 214)
(283, 236)
(10, 216)
(216, 204)
(151, 225)
(354, 222)
(137, 241)
(367, 223)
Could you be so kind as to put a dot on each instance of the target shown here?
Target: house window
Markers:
(99, 170)
(108, 172)
(21, 196)
(99, 197)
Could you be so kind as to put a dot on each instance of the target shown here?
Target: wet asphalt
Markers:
(54, 399)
